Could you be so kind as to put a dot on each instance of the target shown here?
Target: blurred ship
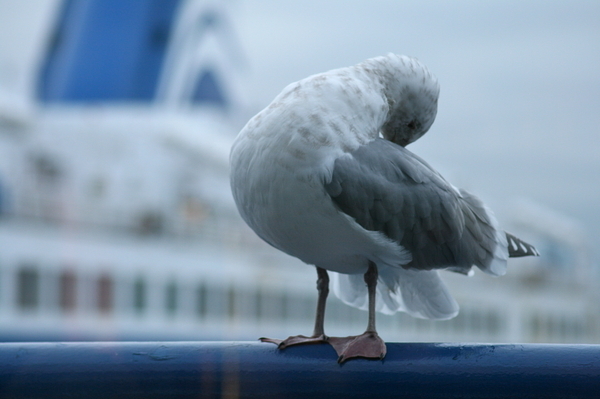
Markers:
(116, 219)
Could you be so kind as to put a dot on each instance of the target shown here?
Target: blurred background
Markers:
(116, 118)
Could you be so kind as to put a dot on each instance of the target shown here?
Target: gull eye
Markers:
(412, 125)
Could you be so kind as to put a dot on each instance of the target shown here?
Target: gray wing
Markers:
(386, 188)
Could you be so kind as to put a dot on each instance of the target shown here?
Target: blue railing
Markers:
(256, 370)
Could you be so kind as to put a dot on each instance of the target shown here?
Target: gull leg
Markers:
(318, 332)
(368, 344)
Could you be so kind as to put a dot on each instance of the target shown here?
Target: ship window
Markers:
(258, 304)
(201, 298)
(28, 288)
(284, 305)
(151, 223)
(3, 199)
(46, 168)
(231, 294)
(68, 291)
(105, 294)
(171, 298)
(139, 295)
(208, 90)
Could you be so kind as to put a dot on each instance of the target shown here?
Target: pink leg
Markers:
(318, 333)
(368, 344)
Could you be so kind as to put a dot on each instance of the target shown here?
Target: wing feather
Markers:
(386, 188)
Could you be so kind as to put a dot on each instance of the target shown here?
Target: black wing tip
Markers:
(518, 248)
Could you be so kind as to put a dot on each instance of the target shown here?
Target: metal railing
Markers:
(256, 370)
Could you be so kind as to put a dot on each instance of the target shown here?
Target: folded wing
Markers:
(386, 188)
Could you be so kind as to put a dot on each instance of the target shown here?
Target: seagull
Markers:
(323, 174)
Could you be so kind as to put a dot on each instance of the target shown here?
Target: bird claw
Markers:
(368, 345)
(296, 340)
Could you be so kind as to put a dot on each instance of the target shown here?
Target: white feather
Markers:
(419, 293)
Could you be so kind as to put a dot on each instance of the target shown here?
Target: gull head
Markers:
(412, 94)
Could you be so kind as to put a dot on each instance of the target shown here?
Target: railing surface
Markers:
(257, 370)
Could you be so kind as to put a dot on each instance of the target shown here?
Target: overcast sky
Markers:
(518, 113)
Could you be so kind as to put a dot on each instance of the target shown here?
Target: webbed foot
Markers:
(368, 345)
(296, 340)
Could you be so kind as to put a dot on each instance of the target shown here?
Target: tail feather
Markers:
(518, 248)
(420, 293)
